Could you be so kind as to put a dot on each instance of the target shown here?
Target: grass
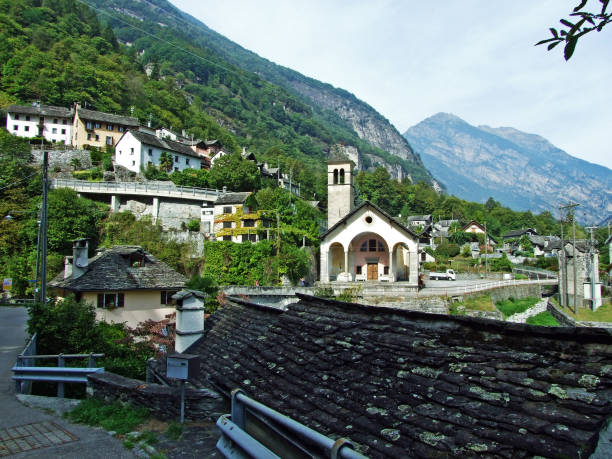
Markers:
(512, 306)
(472, 303)
(174, 431)
(115, 416)
(603, 314)
(544, 319)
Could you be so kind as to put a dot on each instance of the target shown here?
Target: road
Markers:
(34, 432)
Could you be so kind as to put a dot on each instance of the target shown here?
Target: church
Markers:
(363, 243)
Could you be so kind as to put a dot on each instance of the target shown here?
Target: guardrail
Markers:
(535, 271)
(236, 442)
(157, 189)
(450, 291)
(26, 371)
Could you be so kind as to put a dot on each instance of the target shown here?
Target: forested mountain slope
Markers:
(339, 113)
(520, 170)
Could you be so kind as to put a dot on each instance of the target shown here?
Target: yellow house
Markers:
(99, 129)
(125, 283)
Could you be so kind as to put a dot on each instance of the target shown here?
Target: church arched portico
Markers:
(369, 257)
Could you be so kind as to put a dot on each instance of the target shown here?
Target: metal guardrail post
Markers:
(238, 409)
(18, 383)
(60, 386)
(91, 361)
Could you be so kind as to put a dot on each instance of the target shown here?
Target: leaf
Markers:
(565, 22)
(576, 27)
(569, 48)
(552, 45)
(554, 32)
(546, 41)
(579, 7)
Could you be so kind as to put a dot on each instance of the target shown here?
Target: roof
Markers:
(414, 218)
(233, 198)
(408, 384)
(187, 293)
(378, 209)
(519, 232)
(107, 117)
(111, 270)
(164, 144)
(473, 222)
(42, 110)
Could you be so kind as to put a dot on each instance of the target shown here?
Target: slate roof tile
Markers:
(406, 384)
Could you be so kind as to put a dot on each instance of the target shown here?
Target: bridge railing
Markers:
(133, 187)
(482, 286)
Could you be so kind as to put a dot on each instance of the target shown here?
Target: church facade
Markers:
(363, 243)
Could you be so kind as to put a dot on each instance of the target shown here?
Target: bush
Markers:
(193, 225)
(500, 264)
(207, 285)
(544, 319)
(511, 306)
(447, 249)
(107, 163)
(117, 417)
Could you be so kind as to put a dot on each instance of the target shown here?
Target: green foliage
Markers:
(349, 295)
(544, 319)
(189, 177)
(193, 225)
(234, 172)
(513, 306)
(165, 161)
(116, 416)
(174, 430)
(500, 264)
(151, 172)
(207, 285)
(447, 250)
(70, 327)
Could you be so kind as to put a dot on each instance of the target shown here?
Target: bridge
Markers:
(148, 189)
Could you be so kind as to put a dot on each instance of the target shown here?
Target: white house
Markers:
(364, 243)
(52, 123)
(136, 149)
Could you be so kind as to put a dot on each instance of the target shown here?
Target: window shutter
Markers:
(100, 300)
(120, 300)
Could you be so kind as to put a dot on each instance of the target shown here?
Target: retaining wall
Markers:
(522, 317)
(162, 401)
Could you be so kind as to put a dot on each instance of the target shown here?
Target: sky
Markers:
(412, 59)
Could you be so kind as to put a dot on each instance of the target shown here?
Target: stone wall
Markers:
(162, 401)
(532, 311)
(515, 291)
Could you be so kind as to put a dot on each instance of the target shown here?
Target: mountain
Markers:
(520, 170)
(134, 21)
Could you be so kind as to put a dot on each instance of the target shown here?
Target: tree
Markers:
(234, 172)
(584, 22)
(165, 161)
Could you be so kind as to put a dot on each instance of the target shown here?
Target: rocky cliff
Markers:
(520, 170)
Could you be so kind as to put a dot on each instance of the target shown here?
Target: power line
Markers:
(18, 181)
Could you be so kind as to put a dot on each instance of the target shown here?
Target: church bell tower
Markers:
(340, 189)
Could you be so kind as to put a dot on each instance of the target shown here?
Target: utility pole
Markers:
(278, 245)
(562, 269)
(43, 230)
(593, 267)
(573, 206)
(486, 252)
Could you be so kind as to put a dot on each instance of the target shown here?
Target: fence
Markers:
(236, 442)
(483, 286)
(25, 370)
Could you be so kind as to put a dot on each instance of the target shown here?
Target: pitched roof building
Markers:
(124, 282)
(99, 129)
(408, 384)
(52, 123)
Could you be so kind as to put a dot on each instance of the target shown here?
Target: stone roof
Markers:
(93, 115)
(164, 144)
(111, 270)
(413, 218)
(519, 232)
(41, 110)
(232, 198)
(408, 384)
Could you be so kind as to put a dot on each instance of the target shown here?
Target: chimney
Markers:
(184, 133)
(80, 257)
(189, 318)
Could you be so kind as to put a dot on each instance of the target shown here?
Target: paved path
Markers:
(34, 432)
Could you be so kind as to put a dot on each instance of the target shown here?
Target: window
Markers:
(227, 238)
(88, 125)
(249, 223)
(176, 169)
(63, 131)
(109, 140)
(386, 270)
(55, 121)
(121, 129)
(27, 117)
(150, 152)
(54, 131)
(341, 176)
(227, 224)
(88, 136)
(15, 127)
(364, 247)
(97, 138)
(98, 125)
(335, 176)
(227, 210)
(372, 245)
(186, 160)
(381, 247)
(16, 116)
(176, 159)
(109, 127)
(133, 163)
(26, 128)
(64, 122)
(131, 150)
(358, 269)
(166, 296)
(111, 300)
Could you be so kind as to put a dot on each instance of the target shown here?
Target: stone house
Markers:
(363, 243)
(416, 221)
(400, 383)
(52, 123)
(235, 221)
(125, 283)
(135, 150)
(99, 129)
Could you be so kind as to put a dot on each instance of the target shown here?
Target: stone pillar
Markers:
(391, 273)
(189, 318)
(115, 203)
(324, 276)
(155, 209)
(346, 261)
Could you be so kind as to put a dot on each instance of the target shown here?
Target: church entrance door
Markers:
(372, 271)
